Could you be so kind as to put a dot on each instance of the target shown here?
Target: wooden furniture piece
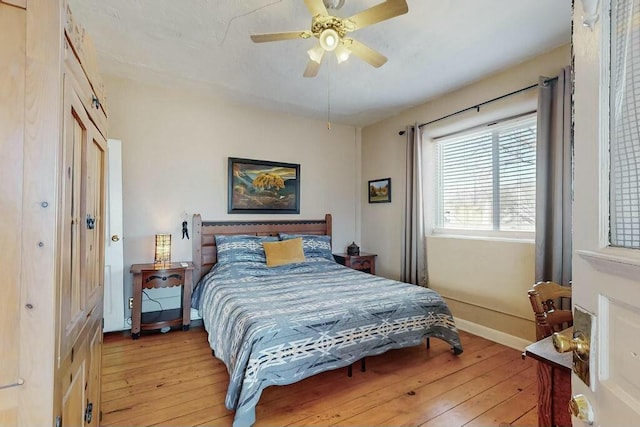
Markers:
(53, 125)
(149, 276)
(204, 242)
(554, 382)
(364, 262)
(544, 297)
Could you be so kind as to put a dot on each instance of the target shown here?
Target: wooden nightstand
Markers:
(554, 381)
(148, 276)
(363, 262)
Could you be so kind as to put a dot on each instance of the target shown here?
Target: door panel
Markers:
(93, 234)
(95, 373)
(621, 373)
(74, 397)
(72, 307)
(606, 280)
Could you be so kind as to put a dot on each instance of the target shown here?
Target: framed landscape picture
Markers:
(380, 190)
(260, 186)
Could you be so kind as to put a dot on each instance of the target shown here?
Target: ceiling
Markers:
(439, 46)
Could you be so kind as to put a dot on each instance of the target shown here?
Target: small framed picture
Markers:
(380, 190)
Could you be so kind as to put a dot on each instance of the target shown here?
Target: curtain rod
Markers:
(477, 106)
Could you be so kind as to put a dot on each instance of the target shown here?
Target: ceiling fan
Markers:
(331, 32)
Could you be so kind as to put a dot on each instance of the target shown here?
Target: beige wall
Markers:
(175, 146)
(485, 281)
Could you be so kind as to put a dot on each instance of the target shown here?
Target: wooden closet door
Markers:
(74, 391)
(72, 298)
(94, 375)
(94, 204)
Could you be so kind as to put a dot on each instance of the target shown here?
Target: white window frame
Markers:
(504, 235)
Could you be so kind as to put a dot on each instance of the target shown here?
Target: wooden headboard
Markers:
(204, 244)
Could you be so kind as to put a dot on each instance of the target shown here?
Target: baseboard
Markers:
(491, 334)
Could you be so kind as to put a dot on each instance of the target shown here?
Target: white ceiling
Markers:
(440, 45)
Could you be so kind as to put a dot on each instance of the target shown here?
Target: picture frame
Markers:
(379, 190)
(262, 186)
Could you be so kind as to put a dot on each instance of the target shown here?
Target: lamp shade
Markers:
(342, 54)
(316, 53)
(163, 248)
(329, 39)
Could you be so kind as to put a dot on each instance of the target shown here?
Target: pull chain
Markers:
(329, 93)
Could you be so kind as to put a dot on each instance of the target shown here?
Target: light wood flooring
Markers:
(172, 380)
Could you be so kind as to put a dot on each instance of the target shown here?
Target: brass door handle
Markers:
(579, 344)
(115, 238)
(580, 408)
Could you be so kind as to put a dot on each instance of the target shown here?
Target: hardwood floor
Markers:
(172, 380)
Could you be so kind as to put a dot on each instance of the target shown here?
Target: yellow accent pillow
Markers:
(283, 252)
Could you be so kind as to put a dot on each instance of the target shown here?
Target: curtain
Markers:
(414, 256)
(554, 177)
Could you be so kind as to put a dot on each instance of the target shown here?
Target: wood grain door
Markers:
(93, 201)
(94, 376)
(71, 299)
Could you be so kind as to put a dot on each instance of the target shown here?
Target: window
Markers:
(486, 179)
(624, 206)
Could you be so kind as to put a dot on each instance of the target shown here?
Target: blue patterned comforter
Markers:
(279, 325)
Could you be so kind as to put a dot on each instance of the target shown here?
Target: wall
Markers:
(175, 146)
(484, 281)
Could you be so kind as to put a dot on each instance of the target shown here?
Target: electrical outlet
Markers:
(131, 303)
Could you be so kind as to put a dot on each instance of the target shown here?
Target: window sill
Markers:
(484, 238)
(497, 237)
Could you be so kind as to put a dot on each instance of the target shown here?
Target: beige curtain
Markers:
(554, 180)
(414, 256)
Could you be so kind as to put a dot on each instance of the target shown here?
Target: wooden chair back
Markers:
(545, 300)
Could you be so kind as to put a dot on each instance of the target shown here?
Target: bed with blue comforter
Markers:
(278, 325)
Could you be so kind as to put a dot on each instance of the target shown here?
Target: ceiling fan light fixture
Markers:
(333, 4)
(316, 53)
(342, 54)
(329, 39)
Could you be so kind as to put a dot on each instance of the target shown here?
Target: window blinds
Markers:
(485, 179)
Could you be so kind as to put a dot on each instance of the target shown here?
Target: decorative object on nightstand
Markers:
(163, 275)
(353, 249)
(163, 249)
(363, 262)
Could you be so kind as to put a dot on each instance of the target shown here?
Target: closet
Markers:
(52, 181)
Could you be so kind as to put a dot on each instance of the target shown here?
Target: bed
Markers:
(279, 325)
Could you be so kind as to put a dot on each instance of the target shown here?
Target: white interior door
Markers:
(606, 279)
(114, 319)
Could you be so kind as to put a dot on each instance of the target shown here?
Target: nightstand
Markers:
(148, 276)
(363, 262)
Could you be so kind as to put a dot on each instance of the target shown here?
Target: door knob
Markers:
(115, 238)
(579, 344)
(580, 408)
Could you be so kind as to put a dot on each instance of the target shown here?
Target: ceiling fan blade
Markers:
(316, 7)
(275, 37)
(381, 12)
(365, 53)
(312, 68)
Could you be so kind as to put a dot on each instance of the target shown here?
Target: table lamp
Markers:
(163, 249)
